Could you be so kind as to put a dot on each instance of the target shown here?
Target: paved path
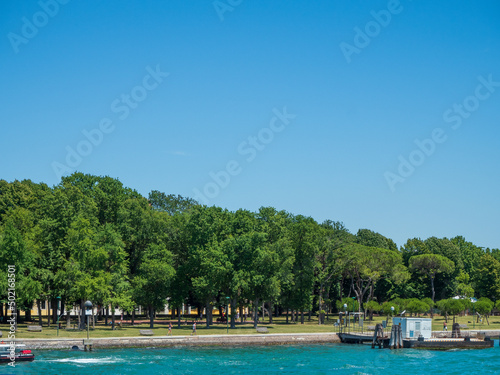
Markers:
(202, 340)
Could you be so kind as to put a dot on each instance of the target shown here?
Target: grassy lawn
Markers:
(161, 329)
(279, 326)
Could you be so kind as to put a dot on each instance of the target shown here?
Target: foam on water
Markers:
(88, 360)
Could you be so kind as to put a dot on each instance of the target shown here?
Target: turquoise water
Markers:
(307, 359)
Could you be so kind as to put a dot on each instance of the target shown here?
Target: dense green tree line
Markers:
(90, 237)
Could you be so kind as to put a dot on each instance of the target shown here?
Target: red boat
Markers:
(15, 353)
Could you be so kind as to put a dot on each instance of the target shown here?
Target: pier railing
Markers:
(354, 323)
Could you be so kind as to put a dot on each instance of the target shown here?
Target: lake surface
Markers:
(307, 359)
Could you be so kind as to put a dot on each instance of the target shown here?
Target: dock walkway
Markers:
(173, 341)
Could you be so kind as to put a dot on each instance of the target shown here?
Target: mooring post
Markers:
(393, 337)
(400, 336)
(87, 345)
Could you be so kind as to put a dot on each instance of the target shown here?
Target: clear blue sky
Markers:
(182, 89)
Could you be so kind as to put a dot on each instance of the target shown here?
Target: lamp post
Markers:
(58, 315)
(88, 311)
(227, 315)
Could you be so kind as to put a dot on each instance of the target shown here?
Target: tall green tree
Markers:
(14, 251)
(367, 237)
(487, 277)
(171, 204)
(369, 266)
(152, 284)
(431, 265)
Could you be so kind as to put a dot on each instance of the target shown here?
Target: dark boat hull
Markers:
(18, 358)
(448, 344)
(353, 338)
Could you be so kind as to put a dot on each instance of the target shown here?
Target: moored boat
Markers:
(15, 353)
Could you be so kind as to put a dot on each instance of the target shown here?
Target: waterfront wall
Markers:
(173, 341)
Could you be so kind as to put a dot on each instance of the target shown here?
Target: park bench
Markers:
(370, 328)
(463, 326)
(34, 328)
(262, 330)
(146, 332)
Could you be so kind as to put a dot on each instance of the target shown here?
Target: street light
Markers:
(88, 311)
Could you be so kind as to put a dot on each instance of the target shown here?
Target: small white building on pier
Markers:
(414, 327)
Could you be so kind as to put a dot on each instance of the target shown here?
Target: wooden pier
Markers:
(447, 344)
(396, 340)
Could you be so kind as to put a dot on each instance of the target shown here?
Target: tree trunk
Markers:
(179, 316)
(48, 312)
(82, 325)
(106, 316)
(241, 314)
(208, 311)
(302, 316)
(151, 316)
(320, 297)
(27, 315)
(39, 307)
(79, 318)
(432, 287)
(233, 315)
(113, 318)
(63, 307)
(256, 313)
(54, 310)
(17, 315)
(310, 315)
(68, 319)
(341, 283)
(270, 311)
(133, 317)
(287, 313)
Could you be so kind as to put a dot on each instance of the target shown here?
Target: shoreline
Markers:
(179, 341)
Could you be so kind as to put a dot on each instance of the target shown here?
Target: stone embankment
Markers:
(173, 341)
